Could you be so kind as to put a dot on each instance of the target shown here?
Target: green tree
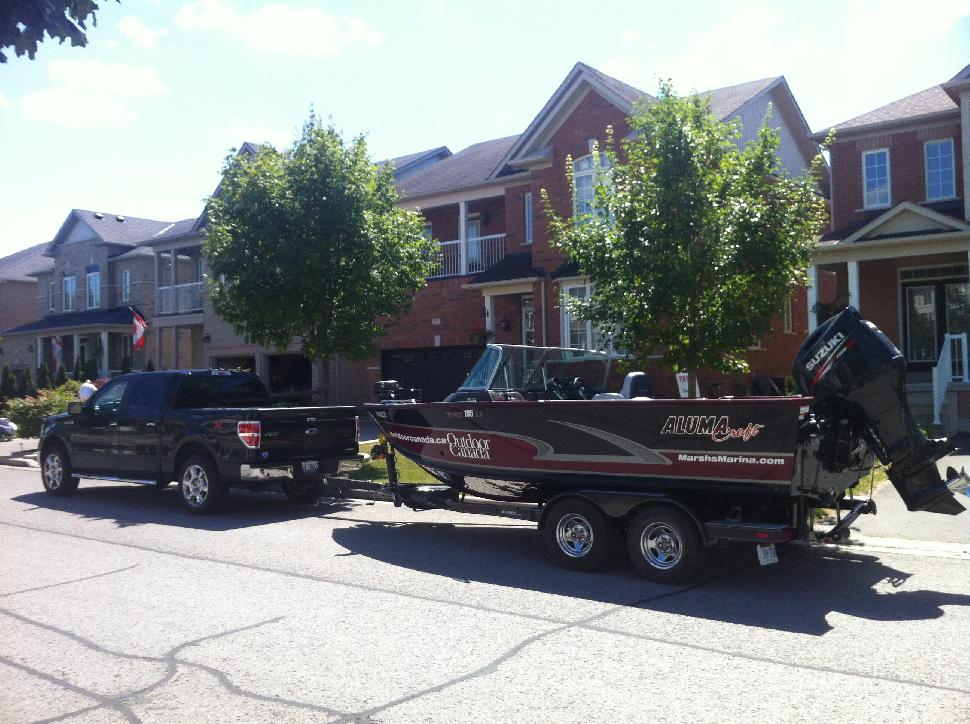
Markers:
(25, 384)
(8, 384)
(693, 244)
(125, 364)
(76, 376)
(149, 366)
(43, 377)
(91, 370)
(308, 244)
(23, 23)
(61, 377)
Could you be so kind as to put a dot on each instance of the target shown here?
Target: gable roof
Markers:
(22, 265)
(468, 168)
(109, 228)
(727, 101)
(904, 219)
(403, 164)
(922, 106)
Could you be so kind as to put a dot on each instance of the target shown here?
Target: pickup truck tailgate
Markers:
(302, 433)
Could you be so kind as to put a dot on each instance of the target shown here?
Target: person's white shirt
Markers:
(87, 389)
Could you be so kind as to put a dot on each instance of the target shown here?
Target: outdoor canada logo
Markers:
(466, 446)
(717, 428)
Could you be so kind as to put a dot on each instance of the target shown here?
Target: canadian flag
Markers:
(138, 327)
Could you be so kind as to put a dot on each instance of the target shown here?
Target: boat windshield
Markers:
(532, 369)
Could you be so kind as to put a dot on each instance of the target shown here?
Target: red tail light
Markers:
(250, 433)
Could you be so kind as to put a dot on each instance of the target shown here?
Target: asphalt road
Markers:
(116, 606)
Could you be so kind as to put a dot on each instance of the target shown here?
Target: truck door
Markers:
(140, 426)
(95, 436)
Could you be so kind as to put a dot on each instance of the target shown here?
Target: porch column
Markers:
(40, 351)
(853, 269)
(812, 297)
(77, 352)
(490, 314)
(173, 255)
(462, 240)
(103, 369)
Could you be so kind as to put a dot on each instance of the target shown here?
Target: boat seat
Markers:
(635, 384)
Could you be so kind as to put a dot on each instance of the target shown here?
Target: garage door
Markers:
(436, 371)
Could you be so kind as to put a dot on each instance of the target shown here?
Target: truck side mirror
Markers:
(74, 408)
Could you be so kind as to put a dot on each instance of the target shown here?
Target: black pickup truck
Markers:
(206, 429)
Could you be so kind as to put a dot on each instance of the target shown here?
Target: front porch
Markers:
(98, 353)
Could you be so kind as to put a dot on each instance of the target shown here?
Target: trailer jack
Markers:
(841, 529)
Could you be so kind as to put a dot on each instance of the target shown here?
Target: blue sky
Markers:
(139, 121)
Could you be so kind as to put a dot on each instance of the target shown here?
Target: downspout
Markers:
(542, 298)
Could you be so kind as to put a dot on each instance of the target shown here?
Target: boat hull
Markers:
(534, 450)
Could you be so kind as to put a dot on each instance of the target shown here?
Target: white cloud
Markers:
(139, 33)
(279, 29)
(92, 93)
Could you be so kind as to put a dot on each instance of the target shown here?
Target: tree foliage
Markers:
(23, 23)
(29, 412)
(43, 376)
(8, 384)
(694, 243)
(308, 244)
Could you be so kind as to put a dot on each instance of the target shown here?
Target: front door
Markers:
(94, 440)
(528, 320)
(933, 308)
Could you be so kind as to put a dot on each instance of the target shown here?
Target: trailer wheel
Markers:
(302, 490)
(664, 544)
(577, 534)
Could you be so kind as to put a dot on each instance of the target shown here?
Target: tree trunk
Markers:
(325, 380)
(693, 386)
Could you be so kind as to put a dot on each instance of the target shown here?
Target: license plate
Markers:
(311, 466)
(767, 554)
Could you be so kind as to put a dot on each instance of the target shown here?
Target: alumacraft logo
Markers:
(718, 428)
(466, 446)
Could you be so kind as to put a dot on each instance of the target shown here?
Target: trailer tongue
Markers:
(856, 378)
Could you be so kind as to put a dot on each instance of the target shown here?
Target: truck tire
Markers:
(55, 471)
(201, 490)
(577, 534)
(664, 544)
(302, 490)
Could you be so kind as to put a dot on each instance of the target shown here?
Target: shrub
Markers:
(8, 385)
(43, 377)
(29, 412)
(61, 377)
(25, 383)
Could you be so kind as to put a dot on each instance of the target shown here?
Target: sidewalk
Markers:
(20, 452)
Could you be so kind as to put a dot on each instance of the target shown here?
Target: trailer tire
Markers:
(664, 544)
(302, 490)
(201, 490)
(578, 534)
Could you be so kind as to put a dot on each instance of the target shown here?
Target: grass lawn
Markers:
(376, 470)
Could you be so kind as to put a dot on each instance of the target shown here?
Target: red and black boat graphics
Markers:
(532, 450)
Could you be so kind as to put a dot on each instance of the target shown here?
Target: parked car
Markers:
(8, 429)
(206, 429)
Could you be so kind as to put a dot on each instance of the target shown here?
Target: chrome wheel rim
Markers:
(661, 545)
(195, 485)
(574, 534)
(53, 471)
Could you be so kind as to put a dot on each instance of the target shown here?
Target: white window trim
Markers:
(565, 315)
(953, 170)
(51, 293)
(528, 217)
(69, 298)
(87, 290)
(889, 179)
(126, 285)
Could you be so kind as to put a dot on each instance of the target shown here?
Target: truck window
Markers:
(147, 394)
(228, 391)
(108, 399)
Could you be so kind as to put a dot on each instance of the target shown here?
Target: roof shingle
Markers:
(469, 167)
(21, 265)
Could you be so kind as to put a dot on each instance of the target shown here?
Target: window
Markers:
(940, 178)
(147, 395)
(50, 296)
(109, 398)
(584, 182)
(527, 202)
(125, 285)
(578, 333)
(69, 289)
(875, 175)
(789, 327)
(94, 290)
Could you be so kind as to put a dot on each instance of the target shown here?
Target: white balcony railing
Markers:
(180, 299)
(952, 366)
(482, 253)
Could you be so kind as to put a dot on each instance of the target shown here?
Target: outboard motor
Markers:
(854, 373)
(391, 390)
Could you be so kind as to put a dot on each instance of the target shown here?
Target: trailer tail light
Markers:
(250, 433)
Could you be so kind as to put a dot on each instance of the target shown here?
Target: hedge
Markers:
(29, 412)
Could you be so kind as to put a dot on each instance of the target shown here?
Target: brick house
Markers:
(500, 279)
(18, 300)
(900, 238)
(83, 286)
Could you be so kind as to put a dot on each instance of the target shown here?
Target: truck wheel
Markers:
(56, 472)
(302, 490)
(201, 490)
(664, 544)
(577, 534)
